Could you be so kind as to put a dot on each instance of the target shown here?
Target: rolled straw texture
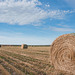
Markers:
(24, 46)
(63, 53)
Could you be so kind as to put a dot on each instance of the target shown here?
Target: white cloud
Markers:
(58, 14)
(63, 25)
(23, 12)
(47, 5)
(61, 29)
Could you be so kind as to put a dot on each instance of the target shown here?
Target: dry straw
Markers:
(63, 53)
(24, 46)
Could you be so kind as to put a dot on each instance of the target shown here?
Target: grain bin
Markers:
(24, 46)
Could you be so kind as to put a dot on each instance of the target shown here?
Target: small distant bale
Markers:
(0, 45)
(24, 46)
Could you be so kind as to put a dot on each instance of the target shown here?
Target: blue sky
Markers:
(35, 22)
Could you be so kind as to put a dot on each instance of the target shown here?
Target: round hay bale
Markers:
(24, 46)
(63, 53)
(0, 45)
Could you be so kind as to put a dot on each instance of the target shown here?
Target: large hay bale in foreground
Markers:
(63, 53)
(24, 46)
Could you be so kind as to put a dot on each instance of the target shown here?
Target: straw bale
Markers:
(24, 46)
(63, 53)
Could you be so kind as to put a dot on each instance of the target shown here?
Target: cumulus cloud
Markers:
(23, 12)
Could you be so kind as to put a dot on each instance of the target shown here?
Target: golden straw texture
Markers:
(63, 53)
(24, 46)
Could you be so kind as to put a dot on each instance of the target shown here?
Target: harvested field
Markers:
(31, 61)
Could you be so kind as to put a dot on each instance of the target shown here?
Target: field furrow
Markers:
(31, 61)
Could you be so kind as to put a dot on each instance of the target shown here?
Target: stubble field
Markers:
(31, 61)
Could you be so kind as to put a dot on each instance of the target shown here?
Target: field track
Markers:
(31, 61)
